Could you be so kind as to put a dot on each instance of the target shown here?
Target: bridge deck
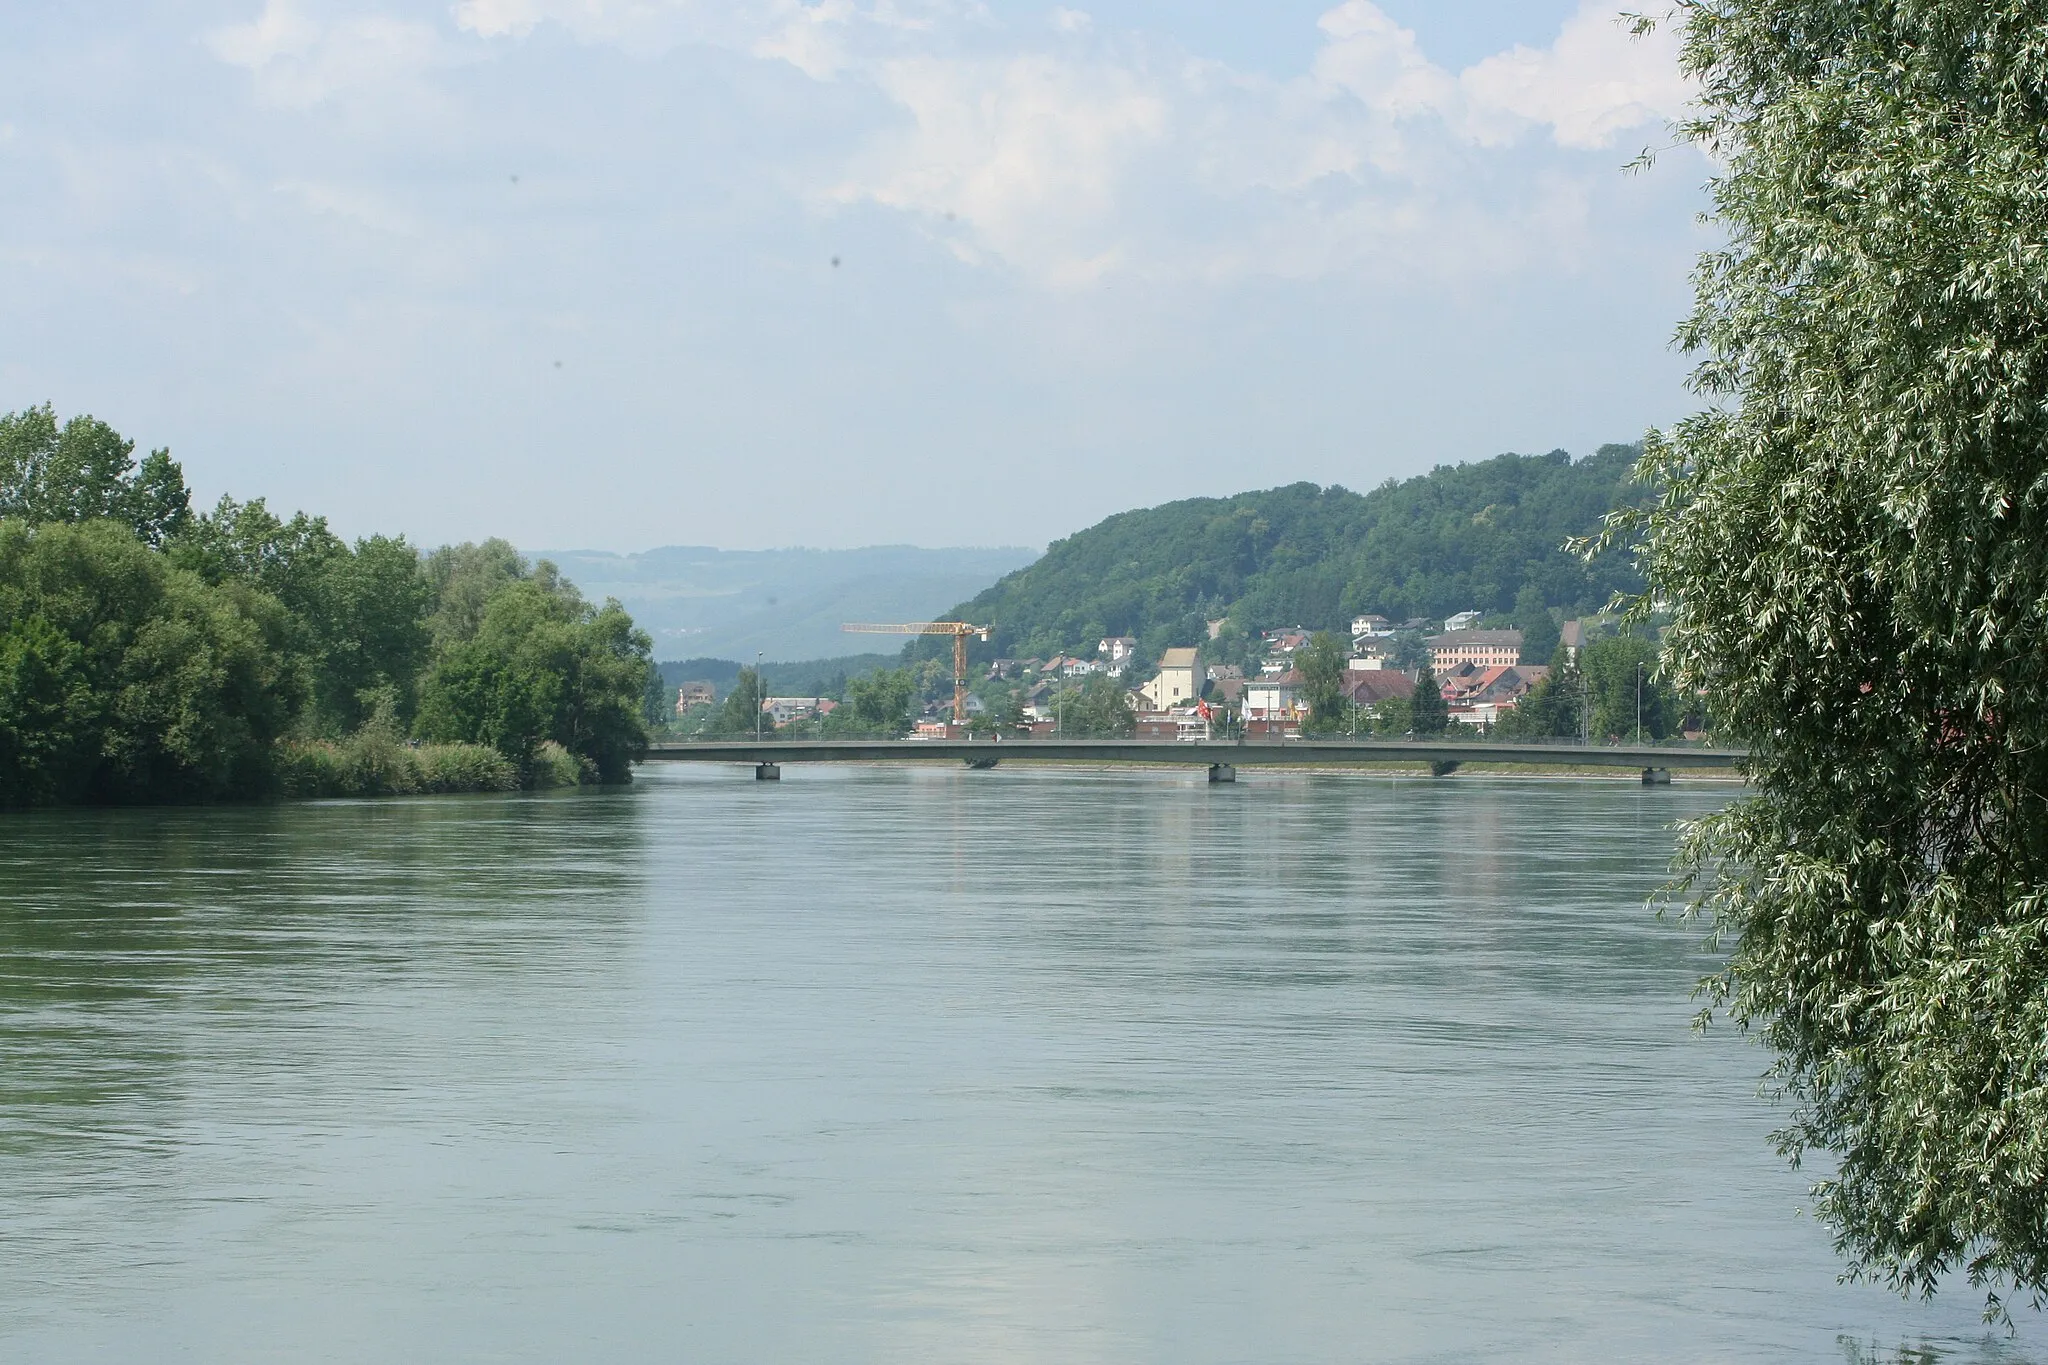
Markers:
(1291, 753)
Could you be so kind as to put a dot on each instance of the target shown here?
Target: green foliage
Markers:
(356, 616)
(1625, 696)
(464, 578)
(878, 704)
(1472, 535)
(1392, 716)
(124, 679)
(376, 761)
(657, 698)
(1321, 662)
(1539, 628)
(740, 716)
(1427, 713)
(48, 714)
(1099, 708)
(555, 766)
(86, 471)
(543, 666)
(1855, 541)
(150, 655)
(1552, 709)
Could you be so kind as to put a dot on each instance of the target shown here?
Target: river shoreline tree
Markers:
(1855, 540)
(148, 654)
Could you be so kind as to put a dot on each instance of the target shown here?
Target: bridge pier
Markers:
(1656, 777)
(767, 772)
(1223, 772)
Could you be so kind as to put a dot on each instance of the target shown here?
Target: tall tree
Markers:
(1426, 710)
(1855, 541)
(1539, 628)
(1321, 662)
(742, 712)
(86, 471)
(1626, 694)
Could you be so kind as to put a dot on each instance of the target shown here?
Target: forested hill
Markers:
(1469, 536)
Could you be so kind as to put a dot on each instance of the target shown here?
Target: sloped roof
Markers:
(1179, 658)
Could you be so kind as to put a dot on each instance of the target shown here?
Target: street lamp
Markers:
(1639, 702)
(759, 699)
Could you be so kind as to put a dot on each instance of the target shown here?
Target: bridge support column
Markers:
(767, 772)
(1223, 772)
(1656, 777)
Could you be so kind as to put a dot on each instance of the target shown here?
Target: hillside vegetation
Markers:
(1461, 536)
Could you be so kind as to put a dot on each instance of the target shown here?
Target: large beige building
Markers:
(1485, 648)
(1179, 681)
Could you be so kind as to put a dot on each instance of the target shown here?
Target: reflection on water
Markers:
(895, 1064)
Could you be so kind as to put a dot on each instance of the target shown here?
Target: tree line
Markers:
(151, 653)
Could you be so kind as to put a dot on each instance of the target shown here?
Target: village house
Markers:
(1179, 682)
(1484, 648)
(1371, 686)
(1275, 697)
(1371, 627)
(1117, 650)
(1572, 637)
(695, 694)
(1479, 696)
(783, 710)
(1371, 655)
(1464, 620)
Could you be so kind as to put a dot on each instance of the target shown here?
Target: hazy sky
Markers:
(563, 270)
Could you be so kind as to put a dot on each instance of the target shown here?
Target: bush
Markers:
(463, 768)
(554, 766)
(372, 763)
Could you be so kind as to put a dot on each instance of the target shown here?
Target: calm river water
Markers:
(896, 1065)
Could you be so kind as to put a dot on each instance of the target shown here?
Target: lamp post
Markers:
(759, 699)
(1639, 703)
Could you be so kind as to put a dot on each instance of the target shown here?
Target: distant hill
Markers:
(791, 677)
(788, 604)
(1461, 536)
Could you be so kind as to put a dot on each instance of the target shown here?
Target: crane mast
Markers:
(959, 630)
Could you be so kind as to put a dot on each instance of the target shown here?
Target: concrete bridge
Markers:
(1221, 757)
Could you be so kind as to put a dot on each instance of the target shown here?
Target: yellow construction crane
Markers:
(959, 630)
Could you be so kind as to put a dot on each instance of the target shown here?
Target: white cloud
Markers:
(1071, 163)
(299, 59)
(1594, 83)
(1029, 155)
(1072, 21)
(1076, 154)
(1376, 61)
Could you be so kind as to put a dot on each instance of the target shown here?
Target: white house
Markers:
(1179, 682)
(1371, 627)
(1464, 620)
(1275, 697)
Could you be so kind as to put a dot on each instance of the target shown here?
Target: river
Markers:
(897, 1064)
